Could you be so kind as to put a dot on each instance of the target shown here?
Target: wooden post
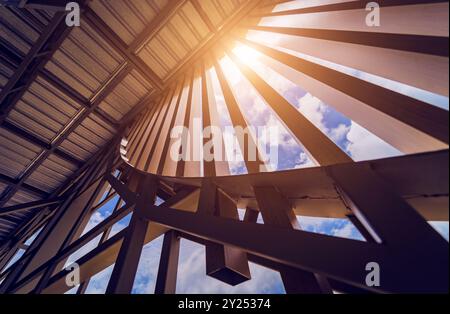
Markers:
(224, 263)
(166, 280)
(124, 272)
(277, 211)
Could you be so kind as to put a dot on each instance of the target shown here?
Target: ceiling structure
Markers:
(66, 92)
(68, 95)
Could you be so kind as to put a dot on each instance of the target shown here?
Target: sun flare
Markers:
(246, 54)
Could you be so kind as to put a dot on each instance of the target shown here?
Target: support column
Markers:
(251, 215)
(277, 211)
(166, 280)
(227, 264)
(122, 278)
(392, 222)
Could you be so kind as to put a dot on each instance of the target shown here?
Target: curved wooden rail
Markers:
(382, 198)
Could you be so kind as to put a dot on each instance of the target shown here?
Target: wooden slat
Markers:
(220, 159)
(318, 146)
(164, 131)
(165, 154)
(431, 45)
(208, 165)
(428, 119)
(181, 163)
(238, 120)
(419, 70)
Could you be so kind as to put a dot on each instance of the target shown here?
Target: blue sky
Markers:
(351, 137)
(192, 278)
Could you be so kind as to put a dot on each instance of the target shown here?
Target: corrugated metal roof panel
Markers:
(19, 198)
(84, 61)
(19, 29)
(212, 9)
(51, 174)
(194, 20)
(15, 153)
(15, 30)
(43, 110)
(128, 18)
(126, 95)
(88, 137)
(184, 32)
(2, 187)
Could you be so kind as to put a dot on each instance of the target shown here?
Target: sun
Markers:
(246, 54)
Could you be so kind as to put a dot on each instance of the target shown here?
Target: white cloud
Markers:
(147, 271)
(303, 161)
(192, 276)
(339, 133)
(345, 232)
(99, 282)
(314, 110)
(363, 145)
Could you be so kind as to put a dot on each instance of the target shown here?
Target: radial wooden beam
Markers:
(318, 146)
(432, 45)
(212, 39)
(151, 136)
(428, 119)
(166, 146)
(339, 6)
(159, 131)
(238, 120)
(181, 164)
(218, 149)
(135, 149)
(208, 165)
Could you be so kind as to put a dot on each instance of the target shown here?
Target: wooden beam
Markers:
(319, 147)
(431, 120)
(27, 206)
(211, 40)
(168, 139)
(114, 79)
(225, 263)
(156, 24)
(432, 45)
(326, 255)
(340, 6)
(122, 277)
(117, 43)
(276, 211)
(238, 120)
(166, 280)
